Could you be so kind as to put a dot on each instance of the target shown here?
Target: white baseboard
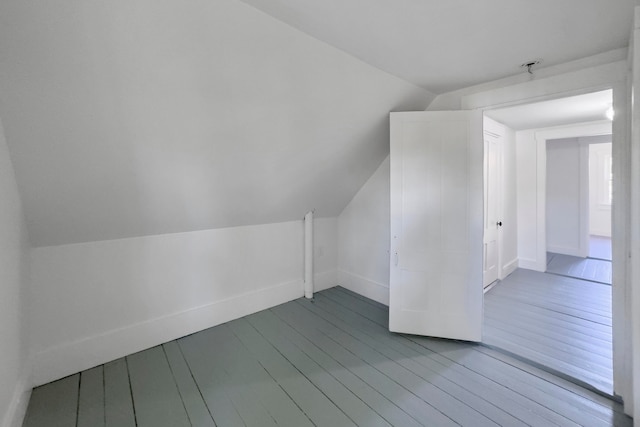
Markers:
(363, 286)
(14, 416)
(564, 250)
(69, 358)
(600, 233)
(509, 267)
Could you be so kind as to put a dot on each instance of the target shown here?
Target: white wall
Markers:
(599, 212)
(363, 265)
(527, 201)
(94, 302)
(159, 116)
(509, 242)
(564, 193)
(14, 381)
(149, 139)
(631, 152)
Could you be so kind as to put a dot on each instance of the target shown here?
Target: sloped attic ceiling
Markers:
(447, 45)
(129, 118)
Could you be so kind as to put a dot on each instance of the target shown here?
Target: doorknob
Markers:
(499, 223)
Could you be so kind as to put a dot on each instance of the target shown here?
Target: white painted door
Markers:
(492, 221)
(436, 224)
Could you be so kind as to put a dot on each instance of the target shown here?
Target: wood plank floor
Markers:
(593, 270)
(557, 322)
(330, 362)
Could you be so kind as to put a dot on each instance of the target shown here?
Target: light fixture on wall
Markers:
(609, 113)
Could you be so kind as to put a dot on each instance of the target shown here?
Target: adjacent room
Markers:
(555, 314)
(338, 213)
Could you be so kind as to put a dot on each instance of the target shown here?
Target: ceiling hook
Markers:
(530, 64)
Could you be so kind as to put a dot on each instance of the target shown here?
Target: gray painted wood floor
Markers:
(331, 362)
(591, 269)
(560, 323)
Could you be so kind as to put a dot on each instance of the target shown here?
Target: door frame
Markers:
(613, 76)
(542, 137)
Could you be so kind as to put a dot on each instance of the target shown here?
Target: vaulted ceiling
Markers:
(144, 117)
(141, 117)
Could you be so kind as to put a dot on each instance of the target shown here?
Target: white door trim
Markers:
(608, 76)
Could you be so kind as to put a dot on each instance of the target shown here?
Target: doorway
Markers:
(558, 323)
(578, 207)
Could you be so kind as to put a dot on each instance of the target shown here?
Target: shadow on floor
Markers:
(327, 362)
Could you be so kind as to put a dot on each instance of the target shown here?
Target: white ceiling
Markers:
(447, 45)
(576, 109)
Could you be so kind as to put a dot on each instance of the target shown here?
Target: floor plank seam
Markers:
(540, 305)
(528, 366)
(175, 383)
(332, 361)
(78, 404)
(104, 397)
(581, 278)
(465, 389)
(385, 374)
(346, 368)
(133, 403)
(359, 314)
(337, 379)
(194, 381)
(499, 384)
(557, 373)
(534, 332)
(337, 343)
(522, 333)
(438, 387)
(300, 372)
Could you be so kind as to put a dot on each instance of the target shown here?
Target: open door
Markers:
(436, 224)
